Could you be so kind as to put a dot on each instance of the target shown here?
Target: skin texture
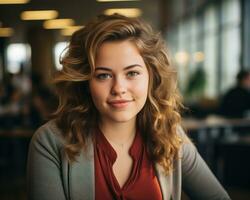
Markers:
(119, 91)
(120, 74)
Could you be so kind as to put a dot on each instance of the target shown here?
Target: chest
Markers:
(127, 178)
(122, 168)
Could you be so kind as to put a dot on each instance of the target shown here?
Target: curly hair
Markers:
(76, 114)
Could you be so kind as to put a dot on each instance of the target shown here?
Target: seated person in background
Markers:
(236, 102)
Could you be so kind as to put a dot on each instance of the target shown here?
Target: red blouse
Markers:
(142, 182)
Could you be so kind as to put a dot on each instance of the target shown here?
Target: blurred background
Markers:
(208, 42)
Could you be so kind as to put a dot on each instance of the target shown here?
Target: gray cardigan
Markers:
(51, 177)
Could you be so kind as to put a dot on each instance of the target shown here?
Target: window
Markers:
(209, 40)
(17, 55)
(231, 43)
(58, 50)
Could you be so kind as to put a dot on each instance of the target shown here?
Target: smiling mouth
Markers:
(120, 103)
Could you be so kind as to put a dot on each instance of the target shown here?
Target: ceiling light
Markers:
(39, 15)
(58, 23)
(13, 1)
(182, 57)
(114, 0)
(70, 30)
(6, 32)
(199, 56)
(129, 12)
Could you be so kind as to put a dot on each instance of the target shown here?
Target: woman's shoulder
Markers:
(182, 133)
(48, 135)
(187, 150)
(188, 153)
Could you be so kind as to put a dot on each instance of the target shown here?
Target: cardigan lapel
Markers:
(81, 176)
(166, 182)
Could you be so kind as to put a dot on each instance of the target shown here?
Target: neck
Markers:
(118, 132)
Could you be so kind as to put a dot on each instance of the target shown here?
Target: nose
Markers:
(119, 87)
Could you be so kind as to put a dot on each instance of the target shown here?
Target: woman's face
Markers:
(119, 86)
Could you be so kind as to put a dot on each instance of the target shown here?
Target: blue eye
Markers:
(132, 73)
(103, 76)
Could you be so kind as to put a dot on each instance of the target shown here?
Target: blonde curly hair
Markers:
(77, 116)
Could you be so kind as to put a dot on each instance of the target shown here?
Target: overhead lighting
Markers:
(39, 15)
(129, 12)
(70, 30)
(182, 57)
(14, 1)
(58, 23)
(6, 32)
(199, 56)
(114, 0)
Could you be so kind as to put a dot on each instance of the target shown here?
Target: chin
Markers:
(121, 119)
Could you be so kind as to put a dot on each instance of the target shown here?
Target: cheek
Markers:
(141, 88)
(99, 92)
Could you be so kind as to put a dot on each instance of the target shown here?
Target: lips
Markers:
(119, 103)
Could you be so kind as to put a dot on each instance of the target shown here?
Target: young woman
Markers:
(116, 132)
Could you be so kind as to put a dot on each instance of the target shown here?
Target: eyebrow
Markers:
(126, 68)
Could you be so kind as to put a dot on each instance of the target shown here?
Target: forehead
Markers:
(113, 53)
